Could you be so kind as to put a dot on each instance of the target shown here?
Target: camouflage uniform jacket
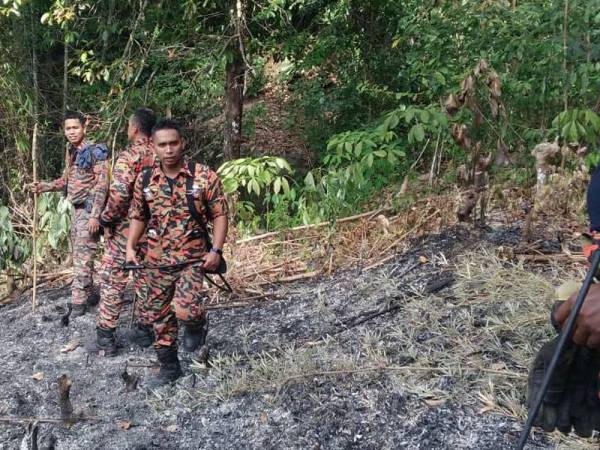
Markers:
(83, 184)
(173, 236)
(127, 167)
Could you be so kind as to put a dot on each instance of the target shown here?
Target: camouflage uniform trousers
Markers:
(84, 248)
(174, 294)
(115, 281)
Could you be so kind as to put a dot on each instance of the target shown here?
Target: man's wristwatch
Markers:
(218, 251)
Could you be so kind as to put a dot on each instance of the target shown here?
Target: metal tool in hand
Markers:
(565, 335)
(219, 271)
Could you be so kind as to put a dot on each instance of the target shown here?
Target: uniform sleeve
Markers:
(55, 185)
(58, 184)
(100, 188)
(215, 198)
(137, 211)
(120, 191)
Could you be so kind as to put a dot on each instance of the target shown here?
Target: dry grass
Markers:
(367, 241)
(473, 344)
(484, 333)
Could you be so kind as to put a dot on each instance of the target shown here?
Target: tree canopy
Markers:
(362, 86)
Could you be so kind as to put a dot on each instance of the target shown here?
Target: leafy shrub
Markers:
(361, 161)
(54, 225)
(579, 126)
(253, 178)
(14, 249)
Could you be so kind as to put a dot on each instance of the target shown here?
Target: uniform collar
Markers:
(73, 150)
(183, 170)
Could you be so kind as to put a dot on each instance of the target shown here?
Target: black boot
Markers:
(78, 310)
(105, 341)
(194, 335)
(93, 298)
(170, 370)
(141, 335)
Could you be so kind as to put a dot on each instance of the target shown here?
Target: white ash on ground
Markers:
(429, 351)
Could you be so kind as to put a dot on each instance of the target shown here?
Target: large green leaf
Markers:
(417, 132)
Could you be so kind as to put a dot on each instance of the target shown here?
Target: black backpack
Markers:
(189, 186)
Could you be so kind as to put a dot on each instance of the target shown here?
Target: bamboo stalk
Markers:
(34, 230)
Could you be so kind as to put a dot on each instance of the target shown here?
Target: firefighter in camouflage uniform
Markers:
(175, 237)
(114, 219)
(85, 181)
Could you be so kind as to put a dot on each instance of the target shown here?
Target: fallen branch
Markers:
(301, 276)
(365, 317)
(15, 419)
(21, 291)
(315, 225)
(552, 257)
(396, 242)
(242, 304)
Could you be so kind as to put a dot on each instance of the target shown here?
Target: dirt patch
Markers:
(427, 351)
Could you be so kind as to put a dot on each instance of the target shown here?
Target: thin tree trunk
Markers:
(235, 83)
(65, 73)
(34, 224)
(565, 52)
(234, 105)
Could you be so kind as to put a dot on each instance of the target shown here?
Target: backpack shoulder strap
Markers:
(146, 175)
(189, 194)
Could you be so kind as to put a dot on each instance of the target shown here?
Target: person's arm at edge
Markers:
(137, 224)
(136, 229)
(119, 192)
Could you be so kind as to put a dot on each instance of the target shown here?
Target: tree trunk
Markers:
(234, 106)
(565, 55)
(65, 74)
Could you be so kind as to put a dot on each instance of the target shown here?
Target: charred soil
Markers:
(420, 353)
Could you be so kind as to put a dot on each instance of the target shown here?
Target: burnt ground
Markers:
(323, 366)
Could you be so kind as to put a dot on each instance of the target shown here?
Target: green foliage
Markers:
(345, 65)
(581, 127)
(54, 225)
(577, 126)
(362, 161)
(14, 249)
(264, 177)
(256, 175)
(9, 7)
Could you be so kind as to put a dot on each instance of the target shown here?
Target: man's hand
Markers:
(108, 229)
(93, 225)
(587, 326)
(211, 261)
(108, 232)
(35, 187)
(556, 406)
(131, 256)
